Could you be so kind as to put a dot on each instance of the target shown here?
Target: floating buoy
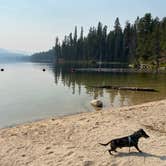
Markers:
(2, 69)
(44, 70)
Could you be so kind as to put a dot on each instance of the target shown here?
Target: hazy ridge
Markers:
(7, 56)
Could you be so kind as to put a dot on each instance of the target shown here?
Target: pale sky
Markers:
(32, 25)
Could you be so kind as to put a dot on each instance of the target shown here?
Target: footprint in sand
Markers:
(71, 147)
(88, 163)
(51, 152)
(48, 148)
(68, 154)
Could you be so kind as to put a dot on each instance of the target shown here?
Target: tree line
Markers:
(144, 41)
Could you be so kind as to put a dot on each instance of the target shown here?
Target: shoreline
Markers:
(120, 70)
(79, 113)
(73, 139)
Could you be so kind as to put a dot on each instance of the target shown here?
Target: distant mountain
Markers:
(7, 56)
(45, 56)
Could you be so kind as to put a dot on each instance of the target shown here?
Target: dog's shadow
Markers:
(143, 154)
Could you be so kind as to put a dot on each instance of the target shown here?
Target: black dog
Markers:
(129, 141)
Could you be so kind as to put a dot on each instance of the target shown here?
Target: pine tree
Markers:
(111, 46)
(126, 42)
(104, 44)
(156, 43)
(141, 42)
(145, 45)
(118, 40)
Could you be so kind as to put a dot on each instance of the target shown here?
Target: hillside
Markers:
(7, 56)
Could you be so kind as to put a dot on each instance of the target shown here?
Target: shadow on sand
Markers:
(143, 154)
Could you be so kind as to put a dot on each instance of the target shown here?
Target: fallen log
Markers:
(125, 88)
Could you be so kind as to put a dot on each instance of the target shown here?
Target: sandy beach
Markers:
(74, 140)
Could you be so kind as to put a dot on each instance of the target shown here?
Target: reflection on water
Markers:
(77, 80)
(28, 93)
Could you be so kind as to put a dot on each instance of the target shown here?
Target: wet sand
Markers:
(73, 140)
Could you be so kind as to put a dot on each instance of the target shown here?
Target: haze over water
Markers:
(27, 93)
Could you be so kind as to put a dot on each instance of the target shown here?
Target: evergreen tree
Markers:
(141, 42)
(145, 45)
(118, 40)
(156, 43)
(126, 42)
(111, 46)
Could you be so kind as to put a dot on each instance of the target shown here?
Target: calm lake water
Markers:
(27, 93)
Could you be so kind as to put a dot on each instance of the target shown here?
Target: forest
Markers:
(142, 42)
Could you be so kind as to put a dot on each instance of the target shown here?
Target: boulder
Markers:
(97, 103)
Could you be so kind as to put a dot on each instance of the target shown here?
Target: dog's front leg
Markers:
(136, 146)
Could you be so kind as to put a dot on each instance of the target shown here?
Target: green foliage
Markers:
(144, 41)
(48, 56)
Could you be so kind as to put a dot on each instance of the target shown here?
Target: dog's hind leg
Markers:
(113, 147)
(110, 152)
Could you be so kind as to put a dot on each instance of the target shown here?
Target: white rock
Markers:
(97, 103)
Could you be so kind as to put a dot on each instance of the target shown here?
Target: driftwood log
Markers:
(126, 88)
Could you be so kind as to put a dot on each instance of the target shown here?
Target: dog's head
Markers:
(142, 133)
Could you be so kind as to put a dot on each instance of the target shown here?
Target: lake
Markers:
(27, 93)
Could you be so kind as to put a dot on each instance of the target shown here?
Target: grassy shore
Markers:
(73, 140)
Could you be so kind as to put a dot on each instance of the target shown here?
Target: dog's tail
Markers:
(105, 144)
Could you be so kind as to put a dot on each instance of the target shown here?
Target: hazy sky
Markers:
(32, 25)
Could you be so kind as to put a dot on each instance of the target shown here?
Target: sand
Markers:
(73, 140)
